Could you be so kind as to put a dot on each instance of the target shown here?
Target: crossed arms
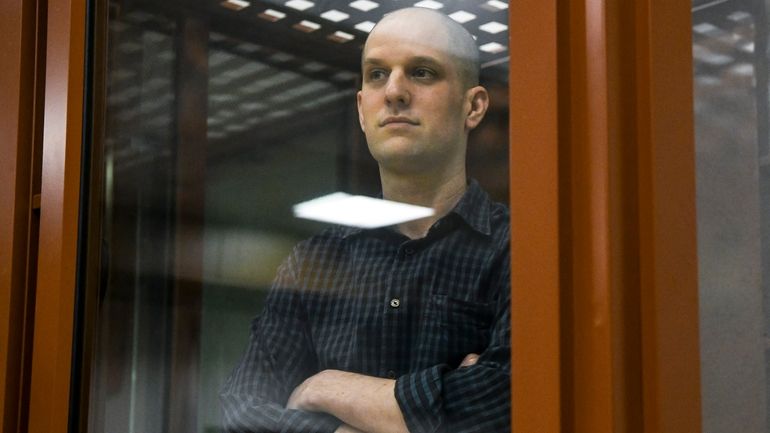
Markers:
(366, 402)
(286, 383)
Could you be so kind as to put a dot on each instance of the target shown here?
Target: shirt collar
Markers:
(473, 208)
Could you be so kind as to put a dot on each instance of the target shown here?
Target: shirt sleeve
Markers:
(473, 399)
(279, 357)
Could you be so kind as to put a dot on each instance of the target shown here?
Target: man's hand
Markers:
(362, 402)
(344, 428)
(470, 359)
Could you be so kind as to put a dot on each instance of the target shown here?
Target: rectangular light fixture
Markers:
(341, 37)
(306, 26)
(272, 15)
(300, 5)
(365, 26)
(497, 5)
(235, 5)
(429, 4)
(492, 47)
(335, 15)
(493, 27)
(462, 16)
(364, 5)
(359, 211)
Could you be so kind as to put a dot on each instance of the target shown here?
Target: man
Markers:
(404, 329)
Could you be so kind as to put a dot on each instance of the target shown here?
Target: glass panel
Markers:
(730, 51)
(219, 118)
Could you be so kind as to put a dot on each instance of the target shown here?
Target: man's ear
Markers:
(478, 103)
(360, 112)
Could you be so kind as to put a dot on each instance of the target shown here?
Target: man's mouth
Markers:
(397, 120)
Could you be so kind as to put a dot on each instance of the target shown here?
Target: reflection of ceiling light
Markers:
(248, 47)
(739, 16)
(344, 75)
(335, 15)
(306, 26)
(359, 211)
(313, 66)
(341, 37)
(235, 5)
(748, 47)
(365, 26)
(462, 16)
(300, 5)
(493, 27)
(272, 15)
(705, 28)
(496, 5)
(492, 47)
(364, 5)
(705, 55)
(430, 4)
(743, 69)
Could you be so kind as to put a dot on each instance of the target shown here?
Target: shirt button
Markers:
(395, 303)
(391, 374)
(409, 251)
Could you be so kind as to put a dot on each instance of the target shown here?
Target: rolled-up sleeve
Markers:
(279, 357)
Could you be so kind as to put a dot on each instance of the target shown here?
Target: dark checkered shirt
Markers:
(377, 303)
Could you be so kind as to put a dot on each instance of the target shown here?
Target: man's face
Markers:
(411, 106)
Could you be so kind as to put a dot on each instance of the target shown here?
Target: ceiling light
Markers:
(235, 5)
(492, 47)
(496, 5)
(341, 37)
(364, 5)
(365, 26)
(300, 5)
(748, 47)
(313, 66)
(335, 15)
(306, 26)
(705, 28)
(462, 16)
(493, 27)
(272, 15)
(429, 4)
(739, 16)
(359, 211)
(743, 69)
(248, 47)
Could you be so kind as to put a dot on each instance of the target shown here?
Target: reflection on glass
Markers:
(220, 116)
(730, 51)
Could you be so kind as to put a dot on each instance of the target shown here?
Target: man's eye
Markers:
(376, 74)
(423, 73)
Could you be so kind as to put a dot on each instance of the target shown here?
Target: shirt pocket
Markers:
(464, 326)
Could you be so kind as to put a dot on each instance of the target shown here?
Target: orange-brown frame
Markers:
(594, 139)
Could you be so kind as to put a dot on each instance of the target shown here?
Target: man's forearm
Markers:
(364, 402)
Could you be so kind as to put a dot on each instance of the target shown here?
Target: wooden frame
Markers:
(605, 334)
(602, 181)
(20, 142)
(535, 258)
(60, 198)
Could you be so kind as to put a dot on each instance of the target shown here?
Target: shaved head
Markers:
(421, 26)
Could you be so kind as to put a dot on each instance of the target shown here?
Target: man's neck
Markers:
(438, 192)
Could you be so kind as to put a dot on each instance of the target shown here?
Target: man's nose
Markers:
(397, 90)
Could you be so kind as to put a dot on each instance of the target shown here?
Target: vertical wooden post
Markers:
(59, 212)
(668, 254)
(21, 85)
(192, 103)
(535, 258)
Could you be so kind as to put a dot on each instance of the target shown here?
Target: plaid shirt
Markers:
(377, 303)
